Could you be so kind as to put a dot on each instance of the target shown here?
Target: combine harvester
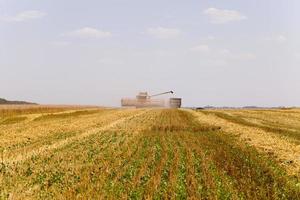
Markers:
(143, 100)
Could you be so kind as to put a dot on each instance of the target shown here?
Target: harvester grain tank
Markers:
(175, 102)
(145, 100)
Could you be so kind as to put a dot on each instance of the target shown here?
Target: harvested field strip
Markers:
(181, 184)
(233, 169)
(286, 153)
(23, 110)
(58, 143)
(66, 115)
(120, 185)
(31, 132)
(281, 119)
(294, 135)
(200, 189)
(155, 180)
(116, 161)
(140, 182)
(81, 157)
(12, 120)
(174, 171)
(165, 176)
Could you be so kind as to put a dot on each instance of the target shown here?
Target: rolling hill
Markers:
(7, 102)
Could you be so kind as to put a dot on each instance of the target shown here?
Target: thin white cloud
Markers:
(24, 16)
(222, 54)
(246, 56)
(210, 38)
(164, 33)
(217, 62)
(219, 16)
(110, 61)
(278, 39)
(227, 54)
(60, 43)
(163, 53)
(88, 32)
(201, 48)
(281, 38)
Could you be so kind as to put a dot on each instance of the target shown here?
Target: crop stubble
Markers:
(150, 153)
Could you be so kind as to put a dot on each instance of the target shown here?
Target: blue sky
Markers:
(231, 53)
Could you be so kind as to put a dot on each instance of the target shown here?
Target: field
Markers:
(98, 153)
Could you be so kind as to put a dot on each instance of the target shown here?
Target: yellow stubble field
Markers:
(67, 152)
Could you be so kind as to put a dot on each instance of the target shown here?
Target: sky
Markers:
(209, 52)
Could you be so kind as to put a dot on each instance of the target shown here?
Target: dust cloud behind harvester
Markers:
(143, 100)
